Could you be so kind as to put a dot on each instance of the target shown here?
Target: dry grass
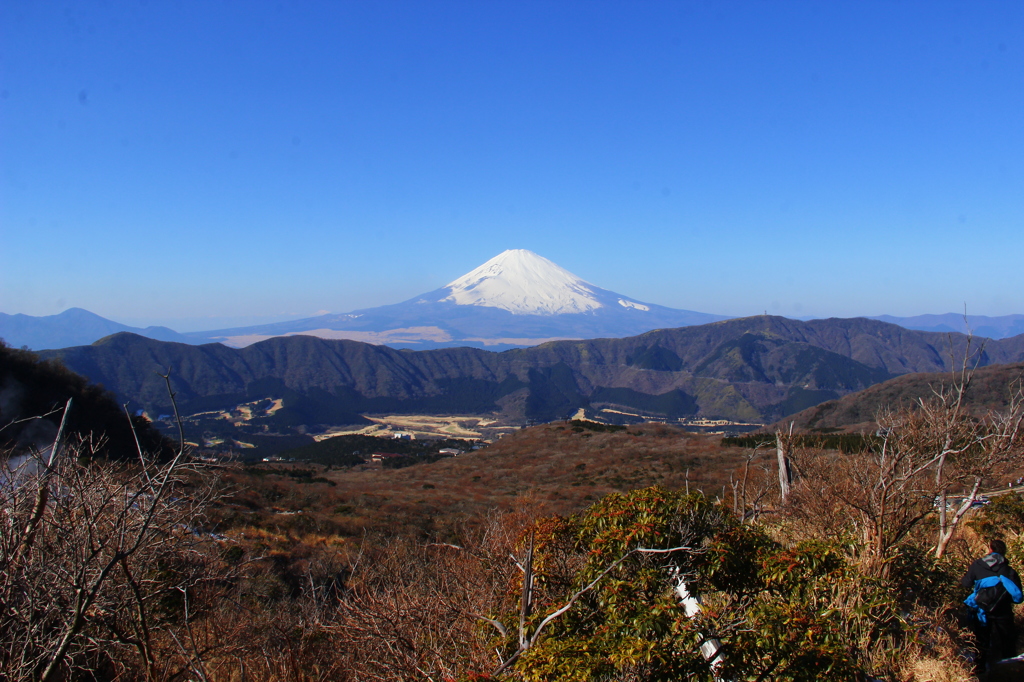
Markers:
(538, 471)
(559, 469)
(939, 670)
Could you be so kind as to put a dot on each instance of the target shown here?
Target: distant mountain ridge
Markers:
(516, 299)
(1001, 327)
(753, 369)
(73, 327)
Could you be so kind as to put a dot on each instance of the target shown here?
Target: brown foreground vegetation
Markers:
(556, 468)
(550, 555)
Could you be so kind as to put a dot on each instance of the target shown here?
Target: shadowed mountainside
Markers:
(990, 389)
(30, 389)
(751, 369)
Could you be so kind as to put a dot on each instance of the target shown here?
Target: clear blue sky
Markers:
(202, 163)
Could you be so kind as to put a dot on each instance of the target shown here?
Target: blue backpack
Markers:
(990, 592)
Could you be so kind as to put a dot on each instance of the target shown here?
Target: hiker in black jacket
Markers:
(996, 588)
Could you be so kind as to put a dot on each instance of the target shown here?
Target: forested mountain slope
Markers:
(751, 369)
(33, 396)
(990, 388)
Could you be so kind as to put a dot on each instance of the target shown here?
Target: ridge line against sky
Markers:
(203, 165)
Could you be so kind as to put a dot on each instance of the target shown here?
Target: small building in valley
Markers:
(381, 456)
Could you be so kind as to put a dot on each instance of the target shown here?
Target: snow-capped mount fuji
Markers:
(516, 299)
(524, 283)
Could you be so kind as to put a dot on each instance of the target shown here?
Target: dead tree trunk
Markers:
(783, 444)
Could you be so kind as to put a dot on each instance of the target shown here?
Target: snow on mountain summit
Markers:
(516, 299)
(524, 283)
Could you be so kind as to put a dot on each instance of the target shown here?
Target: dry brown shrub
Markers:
(105, 567)
(374, 609)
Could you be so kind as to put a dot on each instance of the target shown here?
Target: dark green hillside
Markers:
(676, 403)
(554, 392)
(30, 388)
(990, 389)
(872, 343)
(131, 365)
(752, 369)
(762, 358)
(656, 358)
(343, 404)
(349, 450)
(315, 406)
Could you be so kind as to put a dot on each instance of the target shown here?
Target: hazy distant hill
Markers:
(73, 327)
(1001, 327)
(517, 299)
(751, 369)
(989, 390)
